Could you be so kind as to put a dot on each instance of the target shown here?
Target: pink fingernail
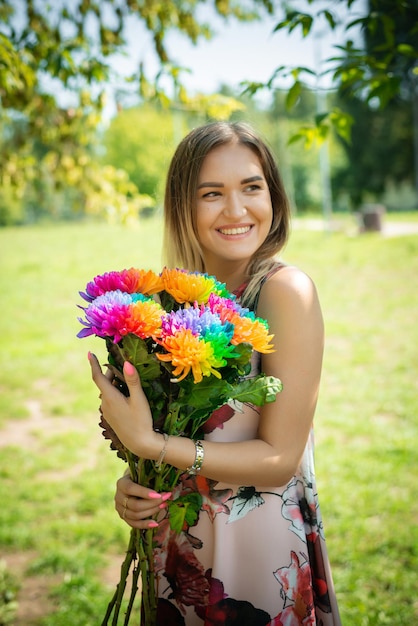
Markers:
(129, 368)
(163, 505)
(165, 496)
(152, 525)
(154, 494)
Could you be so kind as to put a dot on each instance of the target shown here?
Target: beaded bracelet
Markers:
(198, 461)
(163, 451)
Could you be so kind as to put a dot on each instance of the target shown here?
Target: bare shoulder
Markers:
(289, 302)
(289, 286)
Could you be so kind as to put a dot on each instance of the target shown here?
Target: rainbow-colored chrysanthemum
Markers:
(198, 338)
(116, 314)
(131, 280)
(191, 287)
(247, 327)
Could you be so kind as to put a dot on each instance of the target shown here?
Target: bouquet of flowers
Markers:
(191, 343)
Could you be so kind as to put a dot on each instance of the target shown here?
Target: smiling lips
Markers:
(235, 231)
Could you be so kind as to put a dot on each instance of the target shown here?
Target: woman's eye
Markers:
(252, 188)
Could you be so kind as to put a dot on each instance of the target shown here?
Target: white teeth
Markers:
(235, 231)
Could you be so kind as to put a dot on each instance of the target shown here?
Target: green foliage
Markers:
(49, 147)
(378, 71)
(48, 158)
(48, 168)
(141, 141)
(369, 169)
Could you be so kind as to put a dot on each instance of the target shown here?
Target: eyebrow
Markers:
(244, 181)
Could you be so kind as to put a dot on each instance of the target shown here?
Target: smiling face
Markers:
(233, 208)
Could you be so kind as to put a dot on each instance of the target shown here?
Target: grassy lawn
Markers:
(58, 477)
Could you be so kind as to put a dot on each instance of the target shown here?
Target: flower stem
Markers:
(134, 589)
(147, 588)
(116, 602)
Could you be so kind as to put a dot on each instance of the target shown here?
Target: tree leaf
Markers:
(293, 95)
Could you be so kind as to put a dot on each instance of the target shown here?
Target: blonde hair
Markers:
(181, 244)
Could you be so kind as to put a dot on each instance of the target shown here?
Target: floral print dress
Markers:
(255, 555)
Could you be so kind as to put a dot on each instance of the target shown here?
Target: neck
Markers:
(233, 274)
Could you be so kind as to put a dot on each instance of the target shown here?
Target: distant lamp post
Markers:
(324, 166)
(414, 87)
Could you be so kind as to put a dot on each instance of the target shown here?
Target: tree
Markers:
(141, 140)
(65, 47)
(380, 151)
(375, 79)
(387, 154)
(378, 69)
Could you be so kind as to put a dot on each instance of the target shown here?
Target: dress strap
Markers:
(278, 266)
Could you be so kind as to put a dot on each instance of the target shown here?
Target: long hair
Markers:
(181, 244)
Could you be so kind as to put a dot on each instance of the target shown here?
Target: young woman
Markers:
(256, 555)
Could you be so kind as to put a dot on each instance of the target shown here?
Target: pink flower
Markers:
(296, 591)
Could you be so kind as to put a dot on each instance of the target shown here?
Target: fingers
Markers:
(109, 374)
(103, 381)
(96, 371)
(97, 374)
(136, 504)
(133, 382)
(131, 375)
(138, 513)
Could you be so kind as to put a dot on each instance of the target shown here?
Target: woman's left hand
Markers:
(130, 417)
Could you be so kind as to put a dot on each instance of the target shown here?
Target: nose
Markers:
(234, 206)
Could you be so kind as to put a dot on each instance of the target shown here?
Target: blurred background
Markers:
(94, 97)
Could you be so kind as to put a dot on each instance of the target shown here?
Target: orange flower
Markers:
(146, 282)
(144, 319)
(187, 352)
(253, 331)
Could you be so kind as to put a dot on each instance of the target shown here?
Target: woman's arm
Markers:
(289, 302)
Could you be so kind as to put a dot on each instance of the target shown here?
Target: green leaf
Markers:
(329, 17)
(259, 390)
(407, 50)
(184, 510)
(244, 351)
(306, 23)
(342, 123)
(208, 391)
(134, 350)
(293, 95)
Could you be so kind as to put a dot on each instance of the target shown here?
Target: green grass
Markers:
(59, 482)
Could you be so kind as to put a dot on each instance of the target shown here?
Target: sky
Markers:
(238, 51)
